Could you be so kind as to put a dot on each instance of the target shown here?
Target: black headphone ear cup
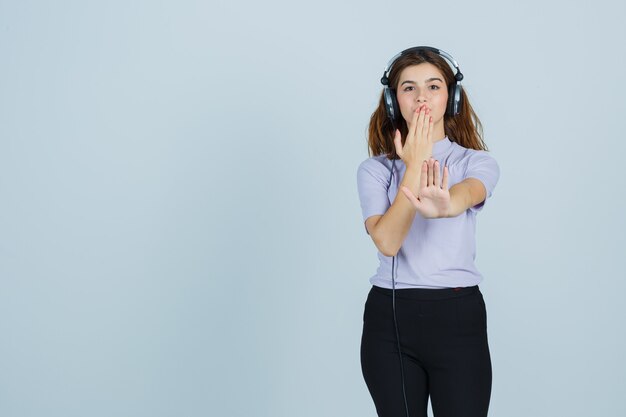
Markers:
(391, 105)
(451, 94)
(454, 100)
(459, 104)
(396, 108)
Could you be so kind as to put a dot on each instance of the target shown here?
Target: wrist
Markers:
(411, 178)
(455, 204)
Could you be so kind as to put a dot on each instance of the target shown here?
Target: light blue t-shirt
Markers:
(436, 253)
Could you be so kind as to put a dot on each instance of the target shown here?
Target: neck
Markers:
(437, 136)
(438, 131)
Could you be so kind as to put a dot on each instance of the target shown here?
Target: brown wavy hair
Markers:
(464, 128)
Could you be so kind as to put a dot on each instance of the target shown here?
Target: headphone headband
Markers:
(458, 76)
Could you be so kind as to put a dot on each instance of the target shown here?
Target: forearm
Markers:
(394, 225)
(460, 199)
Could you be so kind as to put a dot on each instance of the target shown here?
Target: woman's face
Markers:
(422, 84)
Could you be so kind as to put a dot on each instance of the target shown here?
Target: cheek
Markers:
(442, 101)
(405, 101)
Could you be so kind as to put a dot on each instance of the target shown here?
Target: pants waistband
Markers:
(428, 293)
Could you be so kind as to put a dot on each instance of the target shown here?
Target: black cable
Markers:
(395, 320)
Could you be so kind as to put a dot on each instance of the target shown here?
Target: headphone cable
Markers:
(395, 320)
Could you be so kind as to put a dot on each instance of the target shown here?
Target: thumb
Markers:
(412, 197)
(397, 140)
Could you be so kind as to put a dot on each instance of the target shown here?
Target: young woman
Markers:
(425, 321)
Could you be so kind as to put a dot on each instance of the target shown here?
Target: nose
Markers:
(421, 95)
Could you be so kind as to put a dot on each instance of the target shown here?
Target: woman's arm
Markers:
(389, 230)
(436, 201)
(466, 194)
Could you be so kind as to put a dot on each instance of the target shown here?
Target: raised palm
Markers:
(433, 198)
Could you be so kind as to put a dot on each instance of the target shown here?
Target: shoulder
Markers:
(481, 165)
(376, 166)
(376, 162)
(473, 158)
(375, 172)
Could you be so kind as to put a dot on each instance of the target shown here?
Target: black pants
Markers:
(443, 339)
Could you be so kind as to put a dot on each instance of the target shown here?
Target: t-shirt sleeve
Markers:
(372, 183)
(482, 166)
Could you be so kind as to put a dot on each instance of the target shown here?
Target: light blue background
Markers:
(180, 231)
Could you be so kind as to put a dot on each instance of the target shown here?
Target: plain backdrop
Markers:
(180, 229)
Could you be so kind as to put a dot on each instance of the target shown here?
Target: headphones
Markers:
(454, 90)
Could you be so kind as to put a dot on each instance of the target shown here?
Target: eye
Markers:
(436, 87)
(409, 88)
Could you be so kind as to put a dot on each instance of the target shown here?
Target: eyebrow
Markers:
(428, 80)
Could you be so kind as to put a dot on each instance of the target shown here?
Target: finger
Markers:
(419, 129)
(429, 135)
(424, 175)
(410, 196)
(428, 141)
(425, 126)
(413, 124)
(430, 172)
(445, 178)
(397, 140)
(437, 175)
